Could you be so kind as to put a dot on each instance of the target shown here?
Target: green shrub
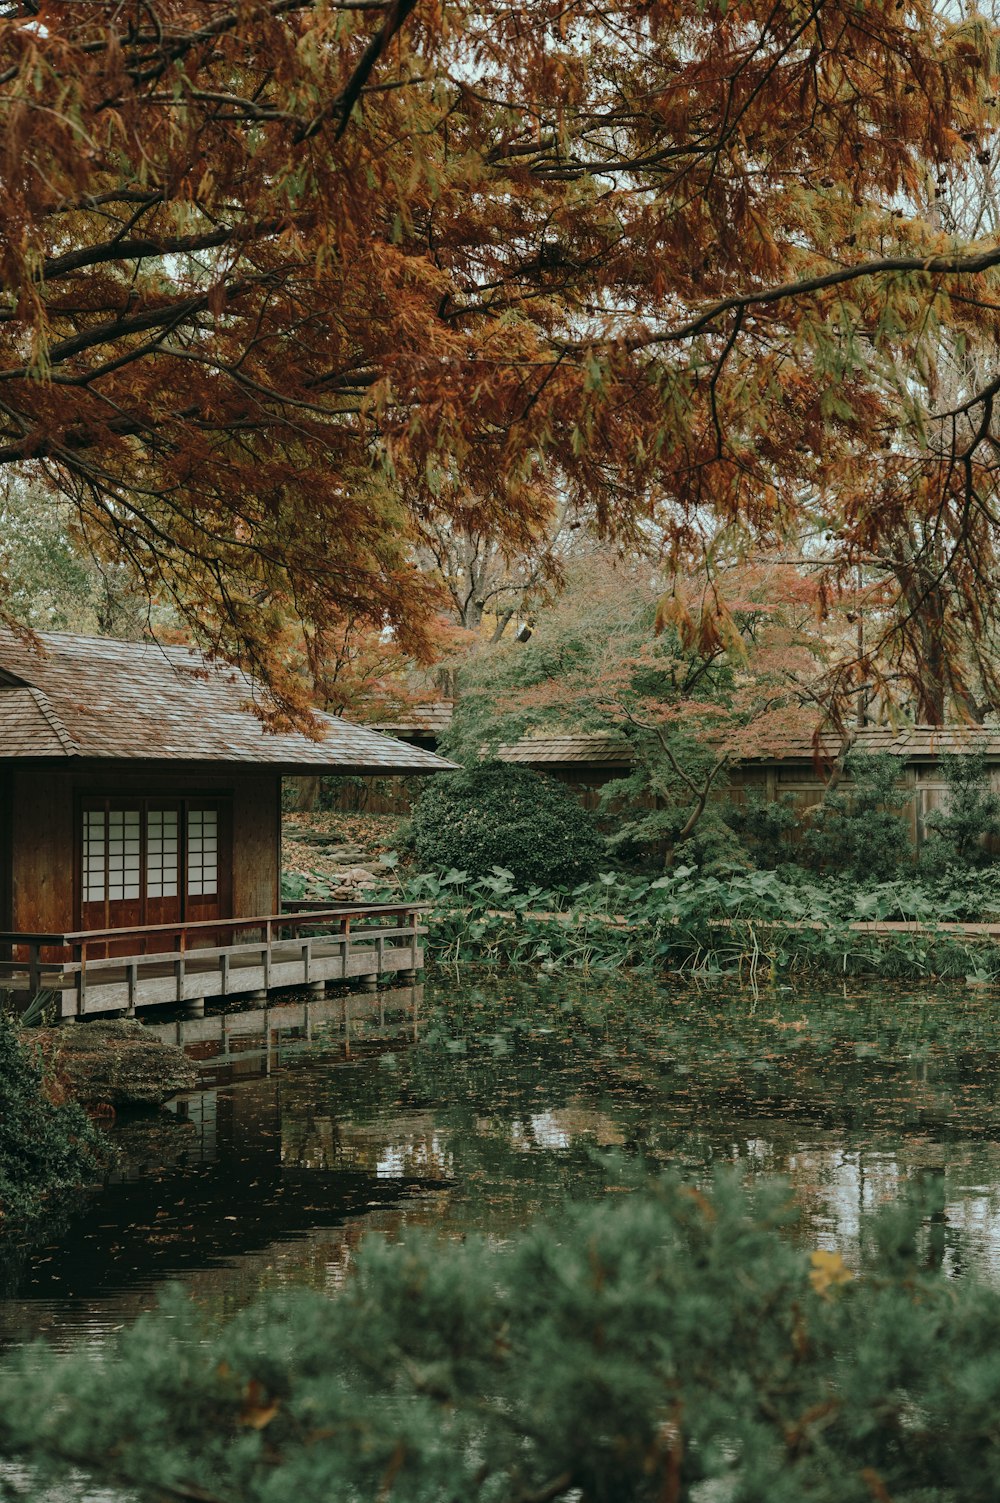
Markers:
(764, 826)
(495, 815)
(857, 829)
(670, 1344)
(45, 1149)
(971, 814)
(645, 840)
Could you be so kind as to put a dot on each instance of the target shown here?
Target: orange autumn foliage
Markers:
(283, 280)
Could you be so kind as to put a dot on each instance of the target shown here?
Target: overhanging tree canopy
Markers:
(283, 279)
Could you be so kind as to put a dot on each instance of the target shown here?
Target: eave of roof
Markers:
(914, 743)
(918, 743)
(568, 751)
(29, 726)
(101, 700)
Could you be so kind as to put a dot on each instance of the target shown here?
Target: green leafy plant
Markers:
(765, 826)
(46, 1148)
(496, 815)
(857, 828)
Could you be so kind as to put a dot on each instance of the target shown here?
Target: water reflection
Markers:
(320, 1122)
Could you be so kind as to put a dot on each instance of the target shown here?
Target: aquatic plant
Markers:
(747, 923)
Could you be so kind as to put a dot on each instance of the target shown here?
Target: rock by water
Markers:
(113, 1061)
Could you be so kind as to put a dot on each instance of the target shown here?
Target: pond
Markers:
(480, 1102)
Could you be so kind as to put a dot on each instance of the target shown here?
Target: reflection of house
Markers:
(139, 792)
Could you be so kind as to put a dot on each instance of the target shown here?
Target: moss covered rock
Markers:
(115, 1062)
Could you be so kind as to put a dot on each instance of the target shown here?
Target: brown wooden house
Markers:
(140, 813)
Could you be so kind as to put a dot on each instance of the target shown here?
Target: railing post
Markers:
(34, 969)
(179, 967)
(81, 990)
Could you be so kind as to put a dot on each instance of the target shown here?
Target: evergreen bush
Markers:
(510, 817)
(670, 1344)
(857, 829)
(46, 1149)
(970, 816)
(764, 826)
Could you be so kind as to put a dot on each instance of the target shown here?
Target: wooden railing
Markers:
(61, 962)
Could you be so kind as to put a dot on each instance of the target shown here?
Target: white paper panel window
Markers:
(161, 853)
(123, 854)
(93, 856)
(111, 855)
(202, 853)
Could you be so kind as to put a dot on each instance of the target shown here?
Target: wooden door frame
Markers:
(220, 798)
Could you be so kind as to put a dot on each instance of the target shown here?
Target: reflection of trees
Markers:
(310, 1141)
(523, 1095)
(850, 1097)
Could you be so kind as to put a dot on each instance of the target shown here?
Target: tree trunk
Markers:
(307, 793)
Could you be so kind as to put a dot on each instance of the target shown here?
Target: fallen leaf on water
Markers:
(828, 1268)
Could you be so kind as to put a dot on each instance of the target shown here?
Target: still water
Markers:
(478, 1103)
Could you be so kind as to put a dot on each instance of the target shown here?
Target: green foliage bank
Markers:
(747, 923)
(46, 1150)
(661, 1345)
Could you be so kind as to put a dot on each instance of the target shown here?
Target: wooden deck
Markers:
(162, 964)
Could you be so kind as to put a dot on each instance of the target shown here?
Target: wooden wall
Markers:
(5, 866)
(256, 843)
(42, 848)
(799, 780)
(399, 795)
(925, 784)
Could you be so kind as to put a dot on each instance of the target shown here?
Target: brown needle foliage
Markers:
(281, 280)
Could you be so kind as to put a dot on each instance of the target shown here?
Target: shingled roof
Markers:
(911, 743)
(567, 751)
(430, 719)
(94, 698)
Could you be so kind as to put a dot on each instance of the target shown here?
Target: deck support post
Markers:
(368, 983)
(34, 970)
(194, 1007)
(317, 988)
